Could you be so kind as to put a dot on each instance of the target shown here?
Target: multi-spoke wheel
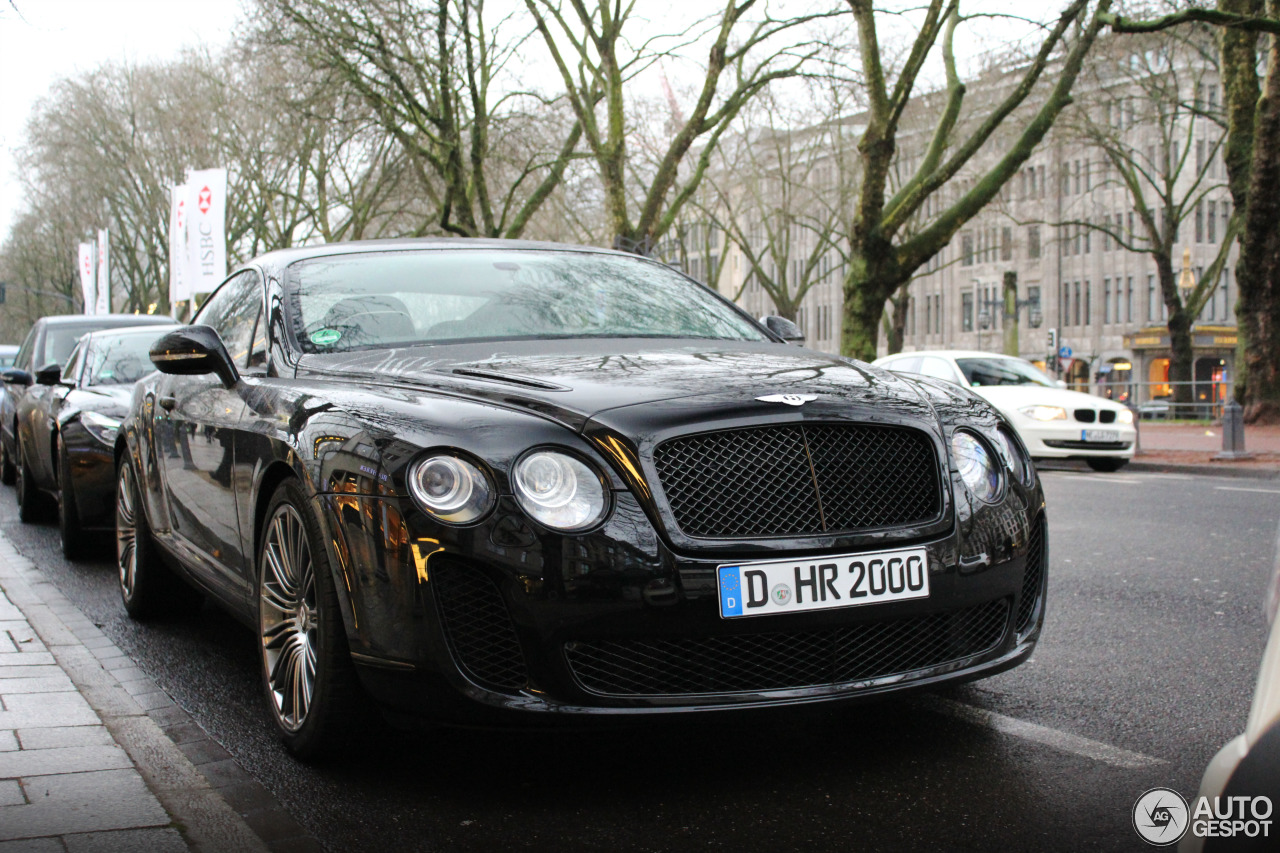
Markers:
(73, 544)
(147, 586)
(306, 666)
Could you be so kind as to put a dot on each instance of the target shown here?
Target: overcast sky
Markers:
(43, 40)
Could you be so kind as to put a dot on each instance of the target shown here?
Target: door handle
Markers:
(167, 403)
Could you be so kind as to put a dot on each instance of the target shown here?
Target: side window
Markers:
(937, 368)
(233, 311)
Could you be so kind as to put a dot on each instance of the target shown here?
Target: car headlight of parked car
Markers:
(977, 466)
(450, 488)
(1124, 416)
(559, 491)
(101, 427)
(1045, 413)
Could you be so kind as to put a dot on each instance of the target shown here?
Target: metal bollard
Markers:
(1233, 432)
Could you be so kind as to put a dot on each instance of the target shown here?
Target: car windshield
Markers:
(1002, 371)
(346, 302)
(119, 359)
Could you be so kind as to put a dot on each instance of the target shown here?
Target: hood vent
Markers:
(508, 379)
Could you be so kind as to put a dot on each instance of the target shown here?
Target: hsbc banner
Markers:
(206, 229)
(88, 251)
(179, 261)
(102, 304)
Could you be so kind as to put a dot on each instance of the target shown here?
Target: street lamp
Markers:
(1009, 308)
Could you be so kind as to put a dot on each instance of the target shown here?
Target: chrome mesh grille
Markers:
(782, 660)
(799, 480)
(478, 625)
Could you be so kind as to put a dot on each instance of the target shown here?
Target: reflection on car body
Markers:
(480, 479)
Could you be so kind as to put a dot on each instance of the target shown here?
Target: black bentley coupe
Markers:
(66, 431)
(484, 479)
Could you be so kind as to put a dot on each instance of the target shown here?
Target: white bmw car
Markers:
(1054, 423)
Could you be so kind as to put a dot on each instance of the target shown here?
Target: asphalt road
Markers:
(1145, 669)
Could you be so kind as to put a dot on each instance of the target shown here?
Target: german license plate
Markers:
(1099, 435)
(822, 583)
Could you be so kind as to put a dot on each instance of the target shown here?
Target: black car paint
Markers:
(347, 426)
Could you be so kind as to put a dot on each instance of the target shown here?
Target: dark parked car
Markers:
(67, 425)
(483, 479)
(50, 341)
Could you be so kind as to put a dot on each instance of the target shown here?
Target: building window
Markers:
(1199, 222)
(1066, 304)
(1128, 299)
(1033, 242)
(966, 312)
(1106, 300)
(1076, 305)
(1088, 304)
(966, 251)
(1153, 313)
(1212, 221)
(1006, 244)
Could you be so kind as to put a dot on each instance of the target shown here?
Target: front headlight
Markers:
(450, 488)
(559, 490)
(1019, 464)
(101, 427)
(1124, 416)
(977, 466)
(1045, 413)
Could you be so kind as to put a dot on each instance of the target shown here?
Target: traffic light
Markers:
(1052, 361)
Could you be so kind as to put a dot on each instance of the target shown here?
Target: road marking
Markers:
(1052, 738)
(1243, 489)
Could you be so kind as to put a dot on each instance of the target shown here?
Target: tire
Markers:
(30, 501)
(148, 587)
(308, 680)
(8, 471)
(1106, 465)
(73, 535)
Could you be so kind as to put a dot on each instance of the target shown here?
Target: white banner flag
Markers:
(179, 260)
(103, 304)
(87, 262)
(206, 229)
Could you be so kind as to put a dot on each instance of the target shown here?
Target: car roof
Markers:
(129, 331)
(284, 257)
(951, 353)
(106, 320)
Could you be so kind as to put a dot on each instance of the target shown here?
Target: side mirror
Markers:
(193, 351)
(49, 374)
(784, 328)
(16, 376)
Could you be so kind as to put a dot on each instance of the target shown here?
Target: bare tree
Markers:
(485, 156)
(1151, 110)
(883, 257)
(597, 63)
(1252, 156)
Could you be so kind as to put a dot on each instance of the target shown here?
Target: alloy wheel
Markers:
(126, 531)
(288, 617)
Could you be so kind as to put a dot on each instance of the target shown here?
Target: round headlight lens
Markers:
(976, 465)
(1045, 413)
(1125, 416)
(559, 490)
(450, 488)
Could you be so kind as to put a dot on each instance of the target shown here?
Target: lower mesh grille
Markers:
(478, 626)
(783, 660)
(1032, 576)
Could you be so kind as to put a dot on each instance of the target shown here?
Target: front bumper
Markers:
(505, 618)
(1068, 441)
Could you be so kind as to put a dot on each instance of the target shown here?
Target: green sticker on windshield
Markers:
(326, 337)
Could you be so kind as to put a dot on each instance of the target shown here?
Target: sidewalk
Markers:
(1192, 448)
(94, 757)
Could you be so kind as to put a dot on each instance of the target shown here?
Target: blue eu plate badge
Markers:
(730, 591)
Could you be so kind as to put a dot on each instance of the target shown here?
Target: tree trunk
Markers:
(1011, 313)
(1259, 301)
(1179, 330)
(896, 328)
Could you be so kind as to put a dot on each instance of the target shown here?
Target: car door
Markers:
(196, 419)
(46, 402)
(11, 394)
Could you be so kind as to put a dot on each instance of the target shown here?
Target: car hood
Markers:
(1010, 398)
(112, 400)
(575, 381)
